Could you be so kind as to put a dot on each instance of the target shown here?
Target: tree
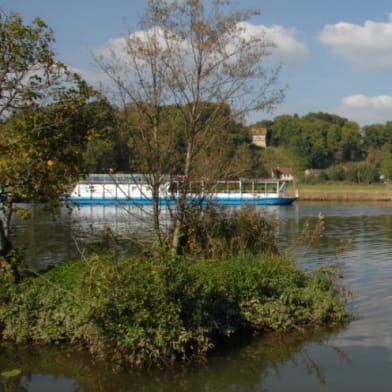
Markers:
(362, 172)
(285, 131)
(318, 139)
(188, 54)
(386, 166)
(374, 136)
(107, 145)
(44, 120)
(350, 143)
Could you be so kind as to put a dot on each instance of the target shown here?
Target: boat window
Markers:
(247, 187)
(233, 187)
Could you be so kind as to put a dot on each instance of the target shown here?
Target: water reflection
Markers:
(46, 239)
(243, 367)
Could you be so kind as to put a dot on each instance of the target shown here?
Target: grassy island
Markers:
(158, 309)
(152, 311)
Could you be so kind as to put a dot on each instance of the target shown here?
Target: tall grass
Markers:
(216, 231)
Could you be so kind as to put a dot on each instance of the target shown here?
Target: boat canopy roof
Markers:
(121, 178)
(139, 178)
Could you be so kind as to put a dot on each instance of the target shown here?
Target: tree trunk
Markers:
(181, 204)
(176, 235)
(156, 211)
(8, 266)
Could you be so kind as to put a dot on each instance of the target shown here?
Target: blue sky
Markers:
(336, 54)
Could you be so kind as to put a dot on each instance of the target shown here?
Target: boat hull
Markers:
(171, 201)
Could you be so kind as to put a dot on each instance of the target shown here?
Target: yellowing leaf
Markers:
(11, 373)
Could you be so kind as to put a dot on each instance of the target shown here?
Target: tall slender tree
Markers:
(188, 53)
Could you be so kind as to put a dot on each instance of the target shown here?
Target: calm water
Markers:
(357, 357)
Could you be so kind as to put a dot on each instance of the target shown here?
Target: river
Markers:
(356, 357)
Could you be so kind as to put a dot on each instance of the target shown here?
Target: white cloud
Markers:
(94, 78)
(367, 46)
(288, 48)
(116, 45)
(366, 110)
(115, 52)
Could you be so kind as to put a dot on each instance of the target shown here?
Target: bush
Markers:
(313, 179)
(336, 173)
(160, 310)
(362, 173)
(215, 231)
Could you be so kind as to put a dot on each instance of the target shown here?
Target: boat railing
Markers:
(200, 187)
(98, 178)
(242, 186)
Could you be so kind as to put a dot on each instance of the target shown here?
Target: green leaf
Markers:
(11, 373)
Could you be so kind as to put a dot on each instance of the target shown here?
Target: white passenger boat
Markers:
(136, 189)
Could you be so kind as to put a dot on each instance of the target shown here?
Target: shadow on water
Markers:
(239, 367)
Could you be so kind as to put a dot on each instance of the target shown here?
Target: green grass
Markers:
(339, 191)
(344, 187)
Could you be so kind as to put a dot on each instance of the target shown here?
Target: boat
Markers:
(136, 189)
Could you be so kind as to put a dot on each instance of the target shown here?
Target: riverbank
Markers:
(344, 192)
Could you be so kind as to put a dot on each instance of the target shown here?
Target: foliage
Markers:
(158, 310)
(377, 135)
(335, 173)
(318, 139)
(228, 154)
(219, 154)
(40, 161)
(273, 157)
(105, 143)
(215, 231)
(26, 60)
(362, 173)
(350, 172)
(45, 117)
(386, 166)
(11, 373)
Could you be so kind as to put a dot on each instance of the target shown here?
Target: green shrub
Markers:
(160, 310)
(313, 179)
(336, 173)
(362, 172)
(216, 231)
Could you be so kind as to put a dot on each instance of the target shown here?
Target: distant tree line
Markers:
(318, 139)
(335, 144)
